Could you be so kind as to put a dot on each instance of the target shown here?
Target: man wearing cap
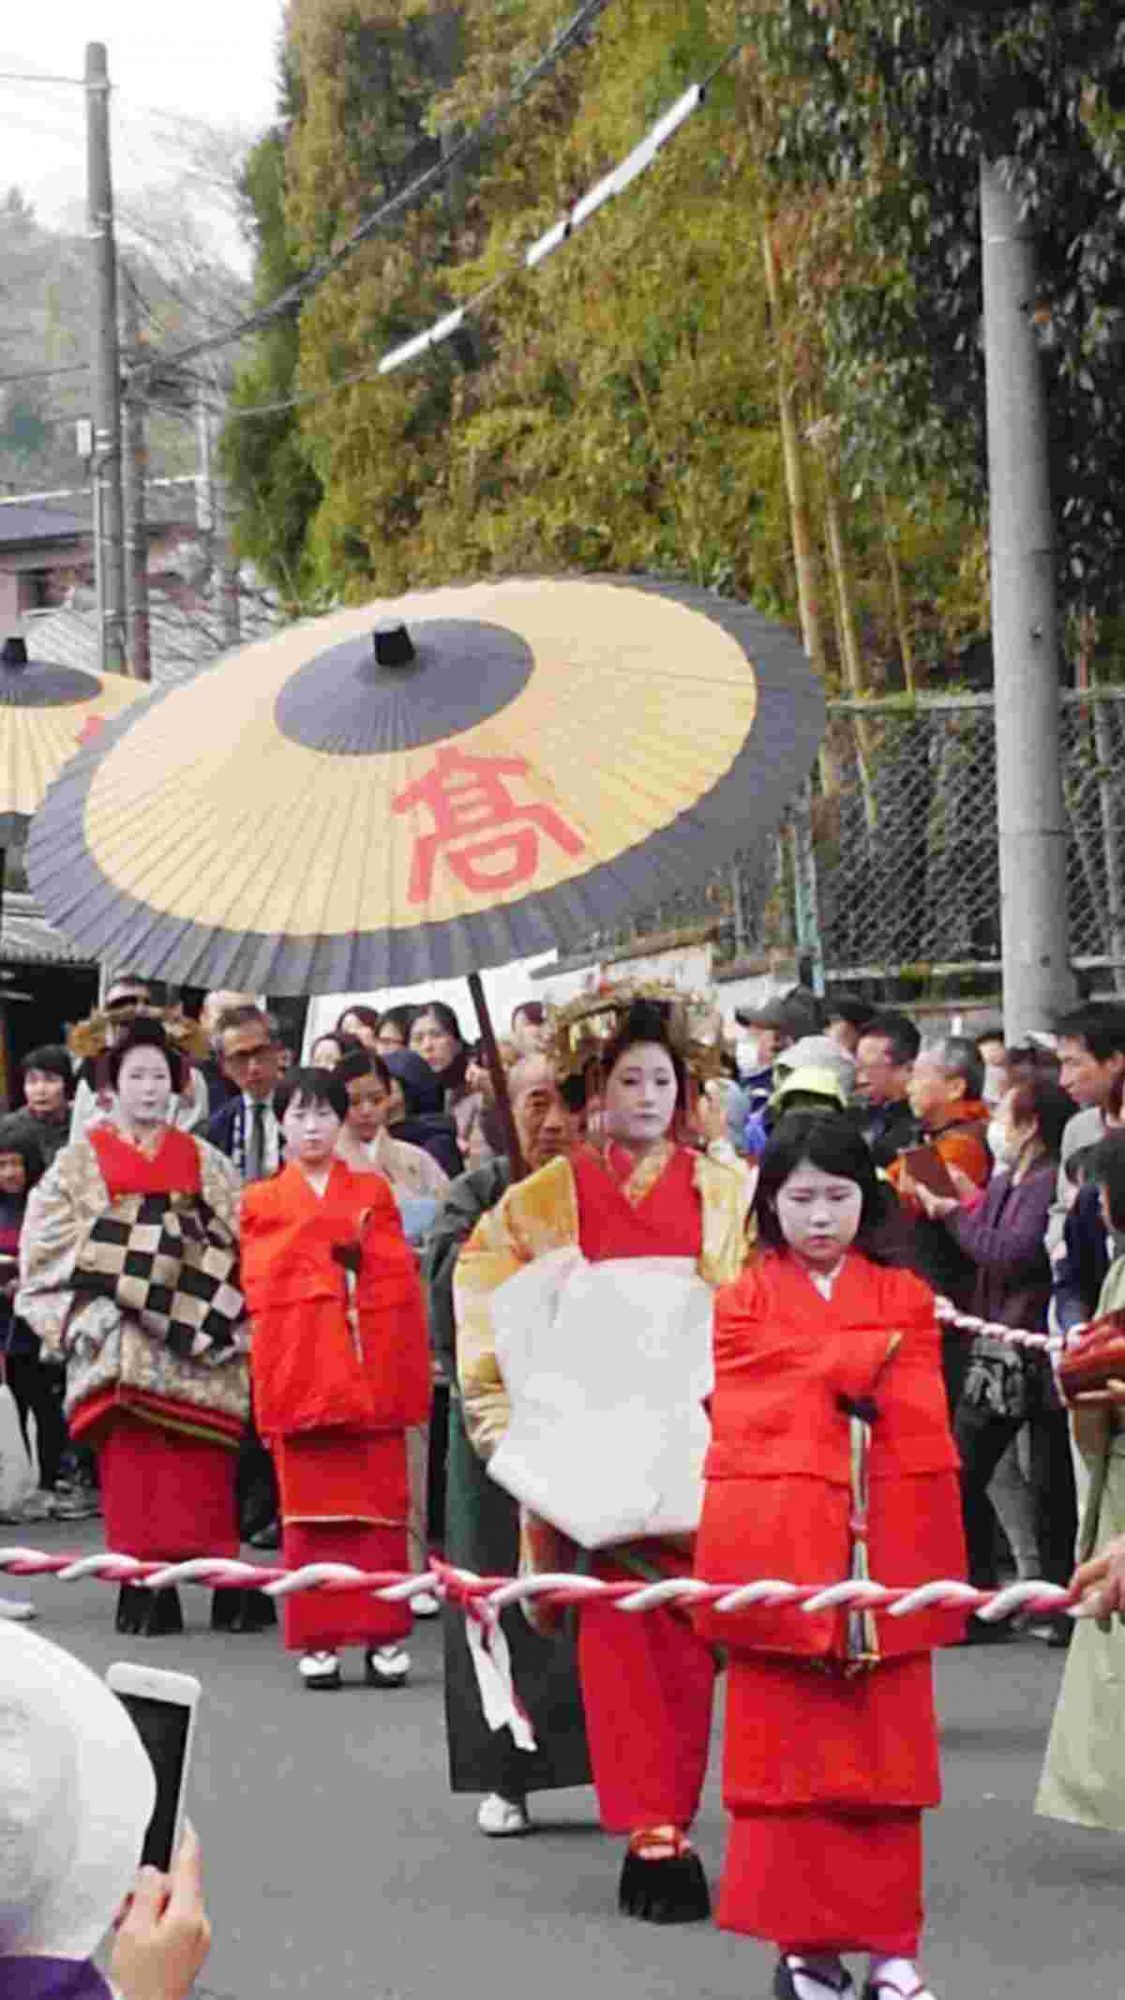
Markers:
(812, 1074)
(775, 1026)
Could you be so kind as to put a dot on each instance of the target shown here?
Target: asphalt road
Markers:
(338, 1864)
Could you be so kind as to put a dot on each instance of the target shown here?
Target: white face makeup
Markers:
(144, 1088)
(311, 1131)
(818, 1215)
(639, 1102)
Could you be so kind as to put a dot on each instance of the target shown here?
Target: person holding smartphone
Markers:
(77, 1791)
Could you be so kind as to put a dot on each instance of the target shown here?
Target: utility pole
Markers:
(105, 360)
(1031, 820)
(204, 481)
(230, 603)
(134, 483)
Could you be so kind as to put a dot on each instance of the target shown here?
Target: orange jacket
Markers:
(778, 1500)
(960, 1143)
(311, 1368)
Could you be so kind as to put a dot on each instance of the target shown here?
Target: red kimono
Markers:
(167, 1476)
(647, 1682)
(337, 1382)
(827, 1764)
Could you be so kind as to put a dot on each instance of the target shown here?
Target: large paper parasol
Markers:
(46, 713)
(424, 788)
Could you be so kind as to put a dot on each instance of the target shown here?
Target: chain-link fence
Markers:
(905, 835)
(905, 849)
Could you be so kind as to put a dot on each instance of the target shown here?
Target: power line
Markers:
(388, 211)
(407, 198)
(21, 76)
(43, 374)
(635, 163)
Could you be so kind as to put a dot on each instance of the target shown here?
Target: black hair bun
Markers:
(646, 1021)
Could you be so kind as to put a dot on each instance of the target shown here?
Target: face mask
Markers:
(995, 1083)
(1004, 1149)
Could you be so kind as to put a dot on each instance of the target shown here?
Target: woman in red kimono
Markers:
(341, 1368)
(831, 1457)
(584, 1303)
(129, 1265)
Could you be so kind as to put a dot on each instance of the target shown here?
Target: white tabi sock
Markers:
(898, 1975)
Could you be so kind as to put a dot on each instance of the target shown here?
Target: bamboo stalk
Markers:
(898, 602)
(800, 518)
(847, 631)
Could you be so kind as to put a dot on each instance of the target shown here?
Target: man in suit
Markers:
(246, 1129)
(220, 1089)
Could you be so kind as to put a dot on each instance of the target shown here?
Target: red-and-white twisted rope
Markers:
(1011, 1336)
(464, 1587)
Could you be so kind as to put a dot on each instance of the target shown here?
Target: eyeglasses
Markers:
(239, 1057)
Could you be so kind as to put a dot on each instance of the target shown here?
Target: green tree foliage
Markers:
(897, 102)
(272, 482)
(617, 409)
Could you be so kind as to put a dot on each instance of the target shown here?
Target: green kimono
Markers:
(1084, 1773)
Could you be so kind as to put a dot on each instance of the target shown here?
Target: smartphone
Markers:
(928, 1167)
(163, 1707)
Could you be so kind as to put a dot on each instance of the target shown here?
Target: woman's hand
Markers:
(478, 1077)
(935, 1207)
(165, 1935)
(963, 1182)
(1101, 1582)
(710, 1116)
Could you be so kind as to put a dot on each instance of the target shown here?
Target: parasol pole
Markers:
(499, 1077)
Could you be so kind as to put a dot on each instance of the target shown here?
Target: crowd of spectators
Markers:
(1005, 1177)
(988, 1150)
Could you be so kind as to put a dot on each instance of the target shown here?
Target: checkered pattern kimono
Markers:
(139, 1291)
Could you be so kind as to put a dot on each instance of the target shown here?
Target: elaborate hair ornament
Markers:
(94, 1037)
(582, 1029)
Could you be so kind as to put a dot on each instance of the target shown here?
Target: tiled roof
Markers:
(169, 503)
(26, 938)
(21, 526)
(181, 639)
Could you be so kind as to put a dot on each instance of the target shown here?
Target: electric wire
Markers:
(400, 203)
(388, 211)
(637, 162)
